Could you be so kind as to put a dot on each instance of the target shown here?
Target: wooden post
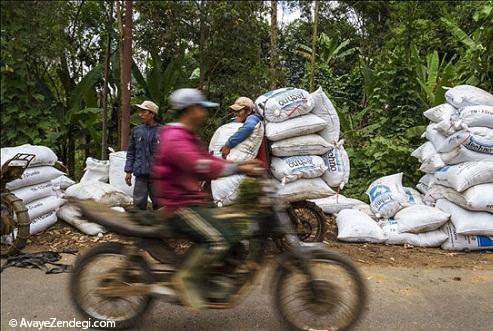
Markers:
(273, 43)
(126, 74)
(104, 142)
(314, 46)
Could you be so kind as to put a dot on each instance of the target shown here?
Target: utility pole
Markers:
(314, 45)
(273, 43)
(126, 74)
(109, 30)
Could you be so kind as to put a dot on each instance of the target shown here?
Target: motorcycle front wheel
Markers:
(107, 265)
(332, 298)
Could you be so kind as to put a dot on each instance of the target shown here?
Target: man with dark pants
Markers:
(143, 140)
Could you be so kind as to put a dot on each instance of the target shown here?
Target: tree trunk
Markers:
(273, 43)
(126, 75)
(314, 46)
(71, 153)
(104, 142)
(202, 43)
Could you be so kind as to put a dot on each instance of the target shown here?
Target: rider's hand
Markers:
(251, 168)
(225, 151)
(128, 179)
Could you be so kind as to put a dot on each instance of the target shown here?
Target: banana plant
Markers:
(329, 50)
(433, 75)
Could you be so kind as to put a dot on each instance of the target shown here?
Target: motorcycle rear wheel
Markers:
(10, 206)
(138, 307)
(323, 300)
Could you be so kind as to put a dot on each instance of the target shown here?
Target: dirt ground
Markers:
(62, 236)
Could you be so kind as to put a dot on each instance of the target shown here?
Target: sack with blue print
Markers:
(387, 196)
(283, 104)
(337, 162)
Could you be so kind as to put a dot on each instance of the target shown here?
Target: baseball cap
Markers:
(148, 105)
(241, 103)
(186, 97)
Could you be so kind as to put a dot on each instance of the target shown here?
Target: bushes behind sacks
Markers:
(283, 104)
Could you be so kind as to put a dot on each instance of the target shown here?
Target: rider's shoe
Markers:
(188, 278)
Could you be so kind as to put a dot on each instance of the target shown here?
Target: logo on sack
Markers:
(332, 160)
(378, 190)
(299, 162)
(291, 98)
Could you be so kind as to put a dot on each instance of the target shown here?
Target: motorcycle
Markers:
(313, 288)
(15, 222)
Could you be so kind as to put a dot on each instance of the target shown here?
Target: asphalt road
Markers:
(400, 299)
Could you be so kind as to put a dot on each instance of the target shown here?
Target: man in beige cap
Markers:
(244, 110)
(143, 140)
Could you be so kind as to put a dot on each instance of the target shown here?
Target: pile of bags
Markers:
(456, 208)
(94, 185)
(307, 156)
(40, 187)
(458, 162)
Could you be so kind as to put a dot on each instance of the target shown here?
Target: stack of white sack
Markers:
(404, 218)
(303, 130)
(40, 187)
(458, 162)
(225, 190)
(101, 192)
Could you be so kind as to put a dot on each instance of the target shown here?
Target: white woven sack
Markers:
(440, 112)
(96, 170)
(225, 189)
(472, 116)
(462, 176)
(72, 216)
(292, 168)
(355, 226)
(413, 197)
(476, 198)
(336, 203)
(424, 183)
(43, 154)
(418, 218)
(33, 176)
(429, 158)
(461, 154)
(298, 126)
(467, 95)
(387, 195)
(304, 189)
(394, 237)
(323, 108)
(42, 206)
(62, 182)
(283, 104)
(436, 138)
(459, 242)
(338, 166)
(35, 192)
(246, 150)
(311, 144)
(101, 192)
(424, 151)
(467, 222)
(365, 209)
(117, 173)
(478, 139)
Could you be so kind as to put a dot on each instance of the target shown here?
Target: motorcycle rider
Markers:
(179, 167)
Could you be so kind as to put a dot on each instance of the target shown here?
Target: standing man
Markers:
(143, 140)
